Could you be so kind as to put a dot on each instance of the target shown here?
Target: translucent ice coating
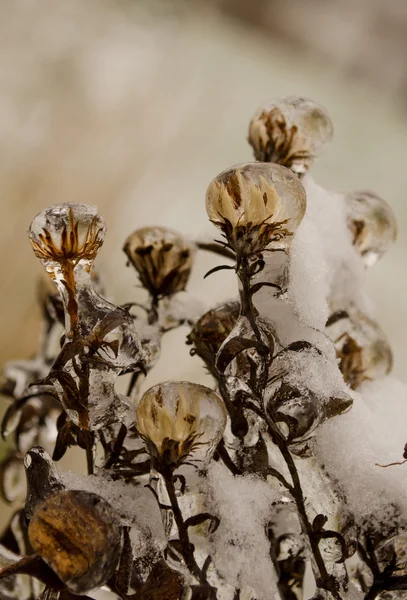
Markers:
(255, 205)
(361, 347)
(372, 224)
(100, 338)
(162, 258)
(180, 421)
(290, 131)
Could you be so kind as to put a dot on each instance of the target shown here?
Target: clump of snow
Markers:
(345, 272)
(372, 432)
(239, 548)
(308, 287)
(310, 370)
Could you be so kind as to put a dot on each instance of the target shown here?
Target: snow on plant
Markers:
(230, 493)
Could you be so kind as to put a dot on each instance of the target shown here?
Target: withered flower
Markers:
(162, 258)
(363, 351)
(372, 224)
(179, 422)
(290, 131)
(78, 535)
(67, 232)
(256, 205)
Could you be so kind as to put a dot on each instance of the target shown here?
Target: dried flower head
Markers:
(67, 232)
(77, 534)
(179, 422)
(162, 258)
(290, 131)
(211, 330)
(372, 224)
(255, 205)
(363, 350)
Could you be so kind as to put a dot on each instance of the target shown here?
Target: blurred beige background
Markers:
(136, 105)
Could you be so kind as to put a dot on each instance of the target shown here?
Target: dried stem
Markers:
(187, 548)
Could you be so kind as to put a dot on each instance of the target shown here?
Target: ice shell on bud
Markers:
(211, 330)
(290, 131)
(67, 232)
(180, 422)
(372, 224)
(78, 536)
(162, 258)
(255, 205)
(362, 348)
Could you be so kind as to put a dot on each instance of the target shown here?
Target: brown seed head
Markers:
(256, 205)
(67, 232)
(372, 224)
(290, 131)
(180, 421)
(162, 258)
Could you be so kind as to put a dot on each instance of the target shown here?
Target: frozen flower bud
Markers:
(361, 346)
(211, 330)
(77, 534)
(162, 258)
(256, 205)
(180, 422)
(290, 131)
(372, 224)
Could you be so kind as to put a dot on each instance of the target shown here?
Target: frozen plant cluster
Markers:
(276, 483)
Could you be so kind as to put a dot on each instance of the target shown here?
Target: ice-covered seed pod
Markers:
(256, 205)
(211, 330)
(290, 131)
(180, 422)
(78, 535)
(162, 258)
(372, 224)
(362, 348)
(67, 232)
(66, 238)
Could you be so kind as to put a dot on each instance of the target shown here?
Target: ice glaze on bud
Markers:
(255, 205)
(372, 224)
(78, 535)
(162, 258)
(180, 422)
(211, 330)
(362, 348)
(67, 232)
(290, 131)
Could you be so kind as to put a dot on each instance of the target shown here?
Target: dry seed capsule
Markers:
(162, 258)
(372, 224)
(290, 131)
(256, 205)
(179, 422)
(78, 536)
